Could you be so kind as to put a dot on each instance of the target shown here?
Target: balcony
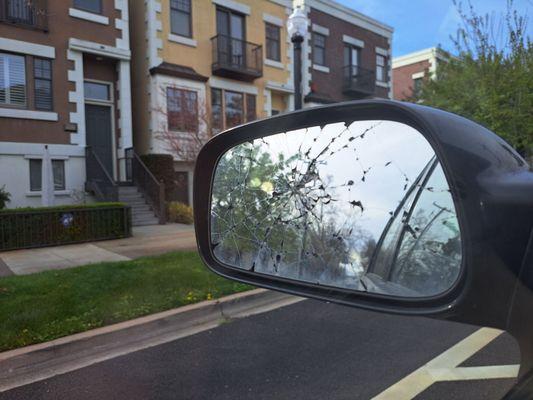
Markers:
(236, 59)
(358, 81)
(25, 13)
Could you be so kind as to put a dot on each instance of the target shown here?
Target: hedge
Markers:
(51, 226)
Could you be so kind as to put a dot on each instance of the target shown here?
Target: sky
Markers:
(419, 24)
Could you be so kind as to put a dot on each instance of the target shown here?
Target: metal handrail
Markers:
(147, 183)
(99, 179)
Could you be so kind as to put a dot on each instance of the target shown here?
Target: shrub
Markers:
(180, 213)
(50, 226)
(5, 197)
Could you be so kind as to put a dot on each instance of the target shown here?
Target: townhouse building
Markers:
(346, 55)
(410, 70)
(202, 66)
(65, 83)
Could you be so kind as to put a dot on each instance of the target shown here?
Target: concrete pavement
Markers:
(146, 241)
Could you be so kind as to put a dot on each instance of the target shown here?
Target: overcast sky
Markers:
(419, 24)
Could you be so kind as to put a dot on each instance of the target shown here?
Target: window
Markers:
(273, 51)
(319, 49)
(42, 72)
(12, 80)
(381, 68)
(94, 6)
(351, 61)
(233, 108)
(251, 114)
(182, 110)
(97, 91)
(180, 17)
(58, 168)
(230, 109)
(417, 85)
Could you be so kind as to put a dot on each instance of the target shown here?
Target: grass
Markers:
(44, 306)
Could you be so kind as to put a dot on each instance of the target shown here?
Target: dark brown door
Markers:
(98, 131)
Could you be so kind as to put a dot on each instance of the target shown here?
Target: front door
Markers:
(99, 132)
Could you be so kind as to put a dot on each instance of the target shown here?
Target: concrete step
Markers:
(135, 203)
(145, 222)
(136, 221)
(144, 209)
(128, 189)
(143, 214)
(131, 196)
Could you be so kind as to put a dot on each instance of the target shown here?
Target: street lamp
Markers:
(297, 27)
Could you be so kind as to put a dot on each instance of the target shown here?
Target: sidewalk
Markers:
(146, 241)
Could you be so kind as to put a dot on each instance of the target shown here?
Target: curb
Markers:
(42, 361)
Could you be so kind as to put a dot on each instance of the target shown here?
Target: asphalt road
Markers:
(309, 350)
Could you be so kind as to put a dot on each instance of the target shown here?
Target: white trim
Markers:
(417, 56)
(99, 49)
(123, 24)
(274, 64)
(347, 14)
(88, 16)
(182, 40)
(76, 96)
(28, 149)
(124, 104)
(382, 52)
(38, 193)
(320, 29)
(28, 114)
(418, 75)
(284, 3)
(271, 19)
(267, 106)
(353, 41)
(382, 84)
(40, 157)
(153, 26)
(279, 87)
(321, 68)
(221, 83)
(18, 46)
(233, 5)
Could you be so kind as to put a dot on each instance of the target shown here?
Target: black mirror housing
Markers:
(492, 189)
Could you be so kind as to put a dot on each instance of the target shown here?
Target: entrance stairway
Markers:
(141, 212)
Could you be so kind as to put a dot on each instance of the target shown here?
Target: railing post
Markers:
(162, 204)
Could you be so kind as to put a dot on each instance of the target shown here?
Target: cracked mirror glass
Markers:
(362, 206)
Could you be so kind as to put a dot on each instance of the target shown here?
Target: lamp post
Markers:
(297, 27)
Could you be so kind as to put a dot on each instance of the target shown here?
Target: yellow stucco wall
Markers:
(204, 28)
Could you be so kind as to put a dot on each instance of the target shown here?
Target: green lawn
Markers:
(41, 307)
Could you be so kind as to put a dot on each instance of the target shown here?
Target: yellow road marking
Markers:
(444, 368)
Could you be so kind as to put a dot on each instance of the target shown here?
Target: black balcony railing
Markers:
(27, 13)
(358, 81)
(236, 58)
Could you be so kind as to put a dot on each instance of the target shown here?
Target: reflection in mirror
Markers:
(362, 206)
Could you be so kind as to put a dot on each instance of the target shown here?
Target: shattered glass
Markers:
(362, 206)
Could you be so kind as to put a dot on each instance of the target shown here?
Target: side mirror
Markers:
(386, 206)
